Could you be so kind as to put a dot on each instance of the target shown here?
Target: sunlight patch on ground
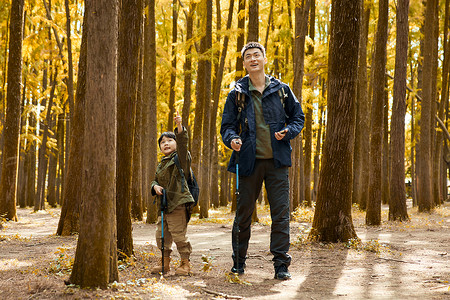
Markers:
(9, 264)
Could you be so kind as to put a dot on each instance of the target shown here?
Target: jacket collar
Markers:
(242, 85)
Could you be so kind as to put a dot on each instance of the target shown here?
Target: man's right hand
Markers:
(236, 144)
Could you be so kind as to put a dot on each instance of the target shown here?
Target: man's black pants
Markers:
(277, 185)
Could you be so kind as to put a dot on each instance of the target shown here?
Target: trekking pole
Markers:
(236, 231)
(163, 207)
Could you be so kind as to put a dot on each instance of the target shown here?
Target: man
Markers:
(260, 117)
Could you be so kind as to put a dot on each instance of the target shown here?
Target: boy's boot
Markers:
(158, 269)
(185, 267)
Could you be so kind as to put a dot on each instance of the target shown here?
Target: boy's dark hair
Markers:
(167, 134)
(252, 45)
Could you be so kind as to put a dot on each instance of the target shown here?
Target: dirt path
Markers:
(395, 261)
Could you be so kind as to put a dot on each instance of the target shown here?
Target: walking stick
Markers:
(236, 230)
(163, 207)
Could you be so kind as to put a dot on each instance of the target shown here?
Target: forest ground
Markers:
(408, 260)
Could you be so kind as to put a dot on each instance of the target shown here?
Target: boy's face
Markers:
(254, 60)
(167, 145)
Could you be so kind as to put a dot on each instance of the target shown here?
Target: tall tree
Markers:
(173, 71)
(149, 150)
(397, 201)
(205, 93)
(187, 67)
(307, 131)
(240, 39)
(130, 19)
(70, 211)
(424, 156)
(362, 138)
(43, 159)
(8, 182)
(301, 29)
(95, 262)
(332, 218)
(253, 21)
(373, 216)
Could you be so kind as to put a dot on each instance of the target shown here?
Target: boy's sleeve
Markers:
(154, 182)
(182, 149)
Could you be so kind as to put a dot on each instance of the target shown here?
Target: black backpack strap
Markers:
(180, 169)
(240, 102)
(283, 97)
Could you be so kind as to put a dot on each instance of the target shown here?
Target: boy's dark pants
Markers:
(277, 186)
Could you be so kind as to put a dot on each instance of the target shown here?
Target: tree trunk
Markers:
(253, 21)
(373, 216)
(362, 136)
(69, 80)
(205, 93)
(70, 210)
(397, 201)
(127, 75)
(31, 175)
(10, 152)
(332, 218)
(150, 148)
(187, 67)
(136, 184)
(424, 160)
(52, 165)
(317, 152)
(240, 40)
(297, 173)
(173, 72)
(439, 160)
(22, 154)
(385, 170)
(95, 262)
(216, 99)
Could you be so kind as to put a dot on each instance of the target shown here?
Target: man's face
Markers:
(167, 145)
(254, 60)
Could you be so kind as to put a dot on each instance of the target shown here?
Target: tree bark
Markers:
(253, 21)
(397, 201)
(173, 72)
(150, 148)
(424, 160)
(127, 78)
(373, 216)
(205, 93)
(70, 210)
(95, 262)
(362, 137)
(332, 218)
(8, 182)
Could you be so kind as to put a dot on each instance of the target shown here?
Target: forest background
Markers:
(386, 140)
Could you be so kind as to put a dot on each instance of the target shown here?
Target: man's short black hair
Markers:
(167, 134)
(252, 45)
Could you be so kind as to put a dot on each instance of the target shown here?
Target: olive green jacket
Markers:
(168, 176)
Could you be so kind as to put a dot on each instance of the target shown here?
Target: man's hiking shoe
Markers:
(282, 273)
(239, 270)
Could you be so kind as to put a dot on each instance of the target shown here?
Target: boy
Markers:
(168, 178)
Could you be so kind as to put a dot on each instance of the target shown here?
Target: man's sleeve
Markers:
(230, 126)
(296, 117)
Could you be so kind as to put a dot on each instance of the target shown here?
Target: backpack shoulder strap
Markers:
(282, 95)
(240, 102)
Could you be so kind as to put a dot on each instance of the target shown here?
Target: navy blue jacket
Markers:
(291, 117)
